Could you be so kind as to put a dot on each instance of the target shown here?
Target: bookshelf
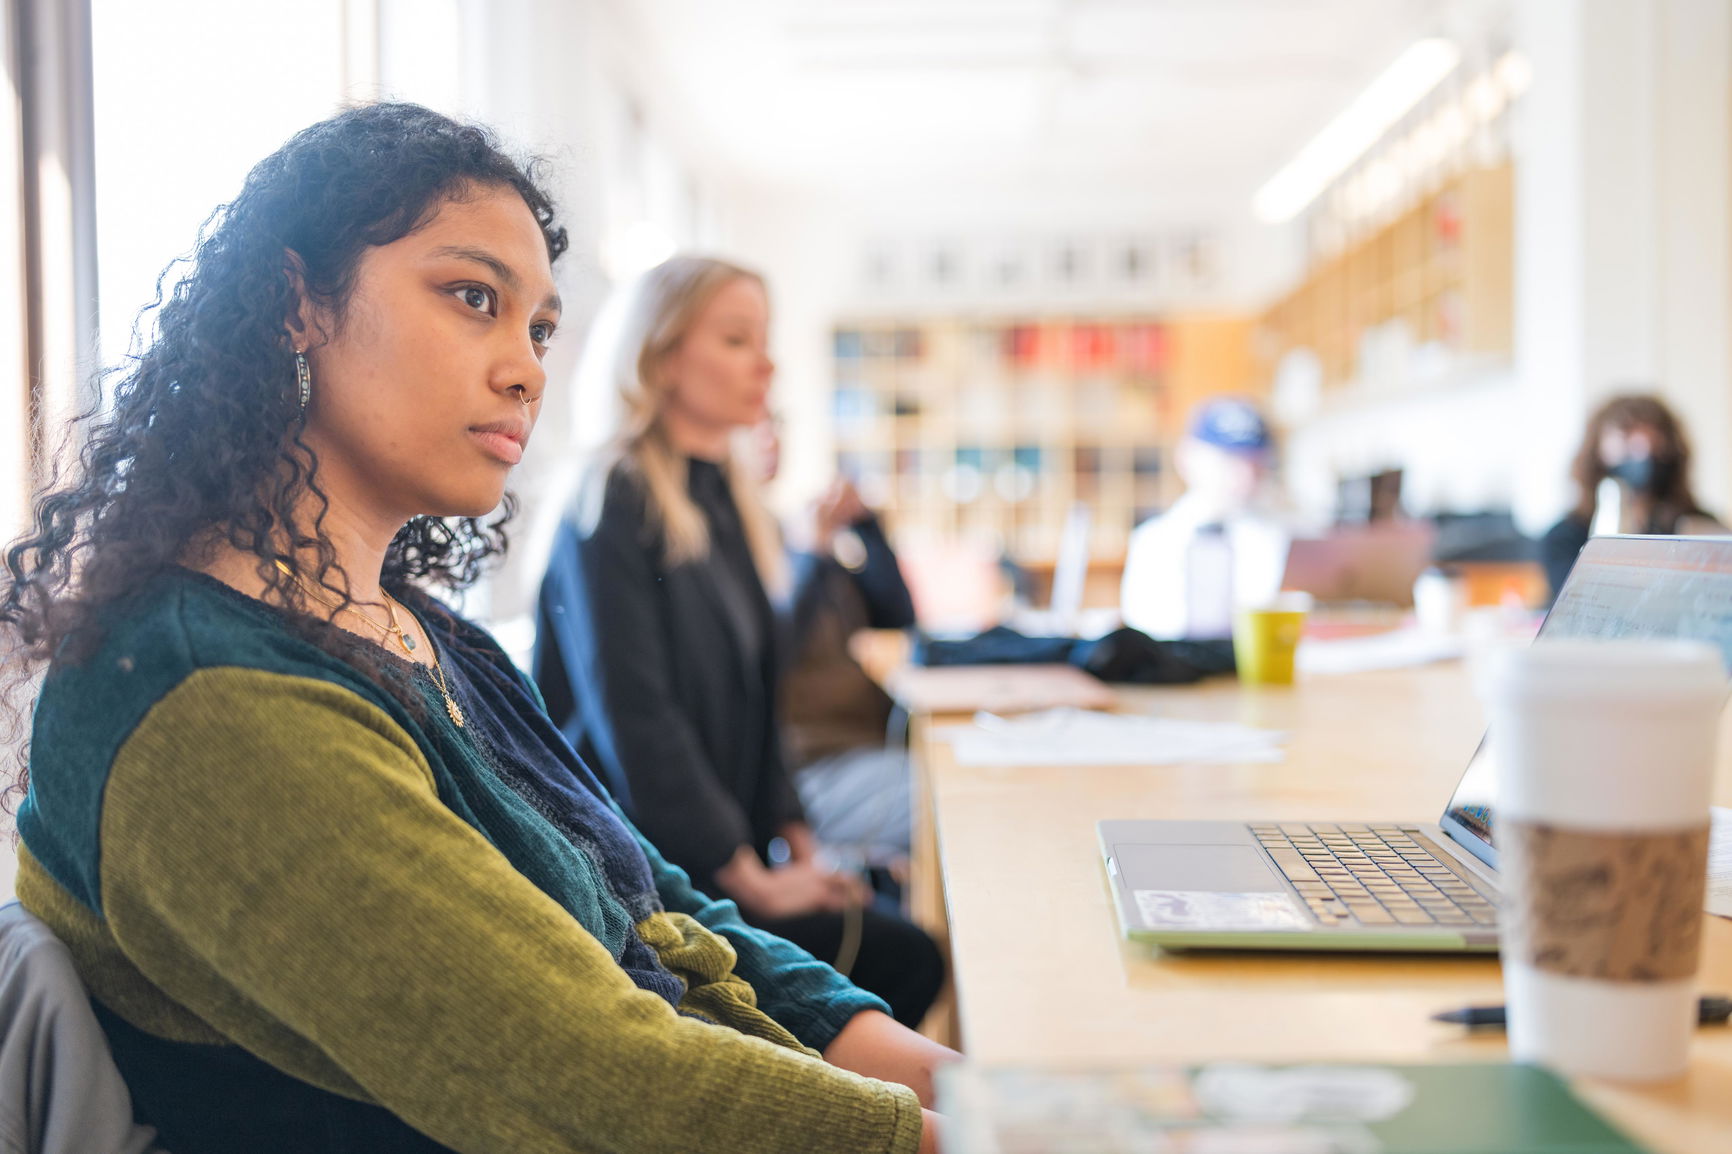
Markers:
(1439, 275)
(971, 428)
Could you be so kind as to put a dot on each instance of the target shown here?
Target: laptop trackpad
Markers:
(1206, 887)
(1222, 868)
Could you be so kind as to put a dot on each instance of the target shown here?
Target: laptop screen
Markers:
(1621, 587)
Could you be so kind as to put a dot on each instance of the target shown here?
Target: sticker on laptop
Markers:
(1207, 910)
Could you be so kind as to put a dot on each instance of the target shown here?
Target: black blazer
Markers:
(642, 670)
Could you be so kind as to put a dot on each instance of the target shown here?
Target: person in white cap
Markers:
(1220, 544)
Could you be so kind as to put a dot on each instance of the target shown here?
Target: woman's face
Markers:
(425, 392)
(718, 376)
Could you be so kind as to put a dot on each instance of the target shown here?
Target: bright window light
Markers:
(1415, 73)
(421, 53)
(173, 142)
(14, 428)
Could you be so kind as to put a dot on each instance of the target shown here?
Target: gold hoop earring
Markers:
(303, 378)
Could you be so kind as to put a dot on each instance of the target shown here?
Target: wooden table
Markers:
(1044, 976)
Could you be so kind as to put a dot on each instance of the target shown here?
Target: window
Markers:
(188, 95)
(14, 377)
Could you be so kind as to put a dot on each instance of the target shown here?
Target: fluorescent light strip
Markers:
(1415, 73)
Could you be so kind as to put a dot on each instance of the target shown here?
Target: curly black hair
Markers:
(202, 440)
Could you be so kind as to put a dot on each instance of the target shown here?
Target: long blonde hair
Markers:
(622, 393)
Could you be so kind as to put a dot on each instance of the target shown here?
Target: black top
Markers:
(663, 676)
(1558, 548)
(731, 563)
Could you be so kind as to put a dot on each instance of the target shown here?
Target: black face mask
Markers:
(1644, 474)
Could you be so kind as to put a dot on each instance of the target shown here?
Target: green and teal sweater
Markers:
(313, 919)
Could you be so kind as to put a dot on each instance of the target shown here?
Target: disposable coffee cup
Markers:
(1266, 637)
(1605, 755)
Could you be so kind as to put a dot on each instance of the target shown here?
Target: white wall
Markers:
(1622, 226)
(1460, 446)
(547, 77)
(1550, 257)
(576, 83)
(807, 247)
(1693, 152)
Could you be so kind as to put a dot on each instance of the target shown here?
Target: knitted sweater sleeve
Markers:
(804, 995)
(275, 858)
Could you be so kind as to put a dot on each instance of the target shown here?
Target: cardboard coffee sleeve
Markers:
(1619, 907)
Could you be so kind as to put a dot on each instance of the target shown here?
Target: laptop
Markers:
(1420, 886)
(1376, 563)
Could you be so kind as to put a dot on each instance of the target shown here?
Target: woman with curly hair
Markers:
(1637, 442)
(333, 879)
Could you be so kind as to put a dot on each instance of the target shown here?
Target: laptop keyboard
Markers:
(1372, 875)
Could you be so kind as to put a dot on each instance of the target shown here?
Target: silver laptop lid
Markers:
(1620, 587)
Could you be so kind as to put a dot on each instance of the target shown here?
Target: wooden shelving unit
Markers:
(966, 427)
(1443, 269)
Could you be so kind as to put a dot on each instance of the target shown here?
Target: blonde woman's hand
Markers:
(802, 842)
(851, 889)
(806, 888)
(788, 891)
(839, 508)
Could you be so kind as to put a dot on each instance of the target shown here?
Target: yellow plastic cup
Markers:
(1265, 639)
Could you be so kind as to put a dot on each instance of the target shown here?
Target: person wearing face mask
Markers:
(1632, 475)
(1219, 544)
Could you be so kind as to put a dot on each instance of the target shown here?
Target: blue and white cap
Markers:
(1232, 424)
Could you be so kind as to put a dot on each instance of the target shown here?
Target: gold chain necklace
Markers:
(392, 631)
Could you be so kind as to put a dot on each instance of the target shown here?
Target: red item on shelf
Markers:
(1144, 348)
(1446, 219)
(1022, 344)
(1092, 346)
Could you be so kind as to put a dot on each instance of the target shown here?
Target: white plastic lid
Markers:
(1624, 670)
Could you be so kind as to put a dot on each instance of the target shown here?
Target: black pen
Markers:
(1712, 1010)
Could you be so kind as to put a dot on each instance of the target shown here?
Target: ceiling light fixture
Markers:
(1415, 73)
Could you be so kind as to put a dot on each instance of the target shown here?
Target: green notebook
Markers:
(1238, 1108)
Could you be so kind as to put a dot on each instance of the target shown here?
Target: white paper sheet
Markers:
(1397, 649)
(1082, 737)
(1720, 863)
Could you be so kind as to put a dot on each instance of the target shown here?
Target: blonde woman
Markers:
(655, 646)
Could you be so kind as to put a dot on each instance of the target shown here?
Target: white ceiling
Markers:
(1182, 102)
